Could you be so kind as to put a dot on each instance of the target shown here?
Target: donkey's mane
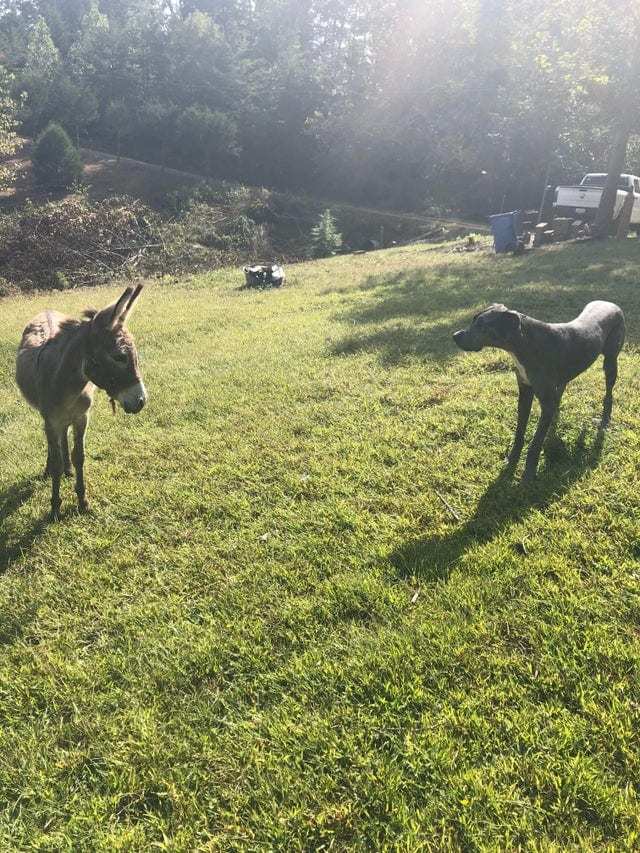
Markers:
(70, 324)
(89, 313)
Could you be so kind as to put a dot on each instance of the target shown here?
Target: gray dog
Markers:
(547, 356)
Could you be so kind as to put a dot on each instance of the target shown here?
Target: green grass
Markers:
(273, 633)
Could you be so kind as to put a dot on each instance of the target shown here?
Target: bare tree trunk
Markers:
(625, 124)
(615, 166)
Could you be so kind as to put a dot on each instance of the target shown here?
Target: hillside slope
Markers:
(106, 175)
(307, 612)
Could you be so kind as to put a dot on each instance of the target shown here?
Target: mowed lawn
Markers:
(307, 613)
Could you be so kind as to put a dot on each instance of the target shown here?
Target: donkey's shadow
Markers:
(11, 499)
(505, 502)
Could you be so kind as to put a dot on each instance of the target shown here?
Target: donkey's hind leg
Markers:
(79, 429)
(55, 466)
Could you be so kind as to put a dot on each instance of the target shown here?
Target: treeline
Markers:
(467, 104)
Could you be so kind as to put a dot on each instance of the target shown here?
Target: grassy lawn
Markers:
(307, 613)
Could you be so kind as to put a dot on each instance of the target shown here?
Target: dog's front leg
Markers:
(525, 399)
(549, 403)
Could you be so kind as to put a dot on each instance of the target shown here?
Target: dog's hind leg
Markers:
(47, 466)
(554, 446)
(611, 352)
(610, 375)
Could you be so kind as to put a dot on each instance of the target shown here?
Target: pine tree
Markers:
(56, 161)
(325, 237)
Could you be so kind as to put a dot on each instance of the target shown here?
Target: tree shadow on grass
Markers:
(11, 499)
(414, 312)
(505, 502)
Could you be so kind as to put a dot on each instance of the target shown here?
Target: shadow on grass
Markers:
(11, 500)
(505, 502)
(415, 312)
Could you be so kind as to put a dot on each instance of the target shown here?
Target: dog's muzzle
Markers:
(462, 340)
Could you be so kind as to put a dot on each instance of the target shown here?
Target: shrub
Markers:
(325, 237)
(56, 161)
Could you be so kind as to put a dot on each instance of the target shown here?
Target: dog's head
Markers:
(496, 326)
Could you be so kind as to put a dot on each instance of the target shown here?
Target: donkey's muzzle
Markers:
(134, 408)
(133, 399)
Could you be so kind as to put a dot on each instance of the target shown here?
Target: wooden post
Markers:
(625, 215)
(544, 193)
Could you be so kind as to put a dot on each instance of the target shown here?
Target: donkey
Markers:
(60, 363)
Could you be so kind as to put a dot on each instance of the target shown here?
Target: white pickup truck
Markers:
(582, 202)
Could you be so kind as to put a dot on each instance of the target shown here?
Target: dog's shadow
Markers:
(505, 502)
(11, 499)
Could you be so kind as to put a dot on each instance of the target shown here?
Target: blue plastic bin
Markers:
(505, 228)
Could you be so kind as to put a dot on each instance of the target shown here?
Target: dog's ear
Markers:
(509, 322)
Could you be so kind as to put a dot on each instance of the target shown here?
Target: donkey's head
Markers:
(111, 360)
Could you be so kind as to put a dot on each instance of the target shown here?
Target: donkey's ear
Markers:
(109, 317)
(120, 307)
(130, 303)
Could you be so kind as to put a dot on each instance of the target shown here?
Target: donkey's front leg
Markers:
(79, 430)
(55, 466)
(65, 453)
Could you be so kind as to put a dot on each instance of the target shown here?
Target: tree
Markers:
(41, 65)
(325, 237)
(73, 105)
(117, 120)
(56, 161)
(628, 103)
(8, 138)
(42, 56)
(155, 129)
(206, 139)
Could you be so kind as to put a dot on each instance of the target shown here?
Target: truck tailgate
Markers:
(586, 197)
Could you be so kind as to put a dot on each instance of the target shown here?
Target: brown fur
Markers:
(60, 363)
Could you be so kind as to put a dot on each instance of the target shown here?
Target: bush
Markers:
(325, 237)
(56, 161)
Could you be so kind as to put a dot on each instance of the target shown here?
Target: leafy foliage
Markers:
(459, 103)
(8, 138)
(56, 161)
